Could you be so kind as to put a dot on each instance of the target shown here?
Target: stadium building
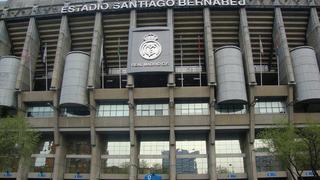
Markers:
(180, 88)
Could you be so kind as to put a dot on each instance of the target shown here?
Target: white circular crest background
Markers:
(150, 49)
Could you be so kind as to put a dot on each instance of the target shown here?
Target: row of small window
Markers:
(185, 147)
(185, 165)
(122, 110)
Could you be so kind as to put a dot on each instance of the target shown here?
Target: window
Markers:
(152, 110)
(268, 163)
(154, 147)
(40, 111)
(112, 110)
(9, 164)
(118, 148)
(43, 156)
(229, 156)
(78, 145)
(231, 109)
(74, 112)
(228, 147)
(42, 164)
(227, 165)
(154, 156)
(264, 159)
(267, 106)
(115, 166)
(78, 165)
(191, 156)
(192, 109)
(116, 155)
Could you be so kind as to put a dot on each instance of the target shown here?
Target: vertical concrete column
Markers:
(245, 46)
(171, 85)
(5, 43)
(95, 142)
(285, 63)
(94, 82)
(59, 160)
(313, 32)
(208, 44)
(281, 46)
(247, 148)
(63, 47)
(96, 51)
(211, 76)
(133, 137)
(23, 167)
(29, 57)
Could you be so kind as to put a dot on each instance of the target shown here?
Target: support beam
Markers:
(63, 47)
(59, 160)
(245, 46)
(95, 141)
(133, 137)
(313, 32)
(210, 64)
(171, 85)
(211, 76)
(5, 43)
(95, 58)
(29, 57)
(282, 49)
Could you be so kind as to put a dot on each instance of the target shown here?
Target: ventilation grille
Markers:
(225, 28)
(151, 18)
(261, 24)
(81, 29)
(17, 31)
(296, 23)
(188, 38)
(49, 33)
(116, 33)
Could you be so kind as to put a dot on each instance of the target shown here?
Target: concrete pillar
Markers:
(246, 49)
(59, 160)
(5, 43)
(29, 57)
(313, 32)
(95, 57)
(95, 141)
(245, 46)
(63, 47)
(171, 85)
(211, 76)
(281, 46)
(133, 137)
(210, 64)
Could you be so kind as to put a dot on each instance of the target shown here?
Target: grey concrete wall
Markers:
(30, 52)
(63, 47)
(95, 65)
(281, 46)
(5, 43)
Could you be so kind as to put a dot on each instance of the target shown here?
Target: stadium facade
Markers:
(181, 88)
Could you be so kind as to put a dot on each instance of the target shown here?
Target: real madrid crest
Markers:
(150, 48)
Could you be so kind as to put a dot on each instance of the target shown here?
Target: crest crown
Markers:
(150, 37)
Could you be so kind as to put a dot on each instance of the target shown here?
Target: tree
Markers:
(17, 141)
(297, 149)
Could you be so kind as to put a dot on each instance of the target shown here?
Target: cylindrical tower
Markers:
(74, 84)
(306, 72)
(230, 75)
(9, 66)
